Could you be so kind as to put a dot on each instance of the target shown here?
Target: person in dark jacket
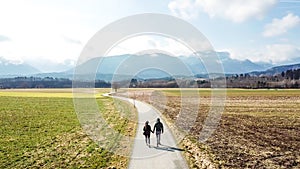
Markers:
(147, 132)
(159, 128)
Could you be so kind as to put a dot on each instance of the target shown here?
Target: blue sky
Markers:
(55, 31)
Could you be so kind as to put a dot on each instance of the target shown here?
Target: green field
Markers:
(40, 129)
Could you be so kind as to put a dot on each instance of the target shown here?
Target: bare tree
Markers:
(115, 86)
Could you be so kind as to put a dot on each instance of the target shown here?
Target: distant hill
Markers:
(132, 66)
(114, 65)
(240, 66)
(9, 69)
(47, 65)
(128, 65)
(231, 66)
(276, 70)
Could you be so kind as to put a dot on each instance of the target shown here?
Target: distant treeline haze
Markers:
(287, 79)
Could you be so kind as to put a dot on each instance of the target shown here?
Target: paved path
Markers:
(166, 156)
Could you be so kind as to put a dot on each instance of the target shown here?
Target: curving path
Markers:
(166, 156)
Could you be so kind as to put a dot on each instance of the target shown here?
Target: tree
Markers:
(133, 83)
(289, 74)
(297, 74)
(115, 86)
(282, 74)
(295, 85)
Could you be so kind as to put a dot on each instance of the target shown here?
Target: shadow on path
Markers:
(167, 148)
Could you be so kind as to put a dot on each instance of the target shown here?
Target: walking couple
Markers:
(158, 128)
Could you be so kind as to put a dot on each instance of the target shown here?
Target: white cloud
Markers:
(281, 26)
(278, 53)
(72, 41)
(39, 30)
(4, 38)
(274, 53)
(186, 9)
(141, 43)
(234, 10)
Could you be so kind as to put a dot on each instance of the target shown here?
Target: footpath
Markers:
(164, 156)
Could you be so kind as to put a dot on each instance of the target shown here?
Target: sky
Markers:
(40, 32)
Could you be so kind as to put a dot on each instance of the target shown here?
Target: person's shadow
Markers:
(167, 148)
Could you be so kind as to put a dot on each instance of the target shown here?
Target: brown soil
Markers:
(255, 131)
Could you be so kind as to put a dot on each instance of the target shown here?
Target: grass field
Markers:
(258, 128)
(40, 129)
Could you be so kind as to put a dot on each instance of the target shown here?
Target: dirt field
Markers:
(258, 128)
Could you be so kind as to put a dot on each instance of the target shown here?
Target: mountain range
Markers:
(276, 70)
(11, 69)
(133, 65)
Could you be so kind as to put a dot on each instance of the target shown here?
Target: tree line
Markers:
(285, 79)
(46, 82)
